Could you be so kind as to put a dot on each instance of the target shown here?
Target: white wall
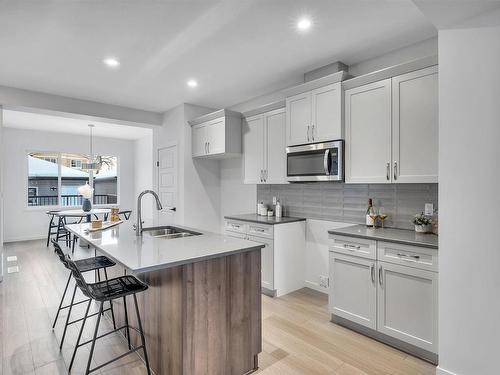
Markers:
(24, 223)
(316, 253)
(469, 197)
(199, 183)
(143, 170)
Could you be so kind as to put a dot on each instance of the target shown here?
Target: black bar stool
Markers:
(126, 214)
(52, 225)
(61, 230)
(101, 292)
(84, 265)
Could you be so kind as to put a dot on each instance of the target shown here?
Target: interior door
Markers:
(275, 155)
(199, 140)
(353, 294)
(415, 126)
(407, 304)
(298, 119)
(368, 133)
(327, 113)
(253, 149)
(167, 183)
(216, 136)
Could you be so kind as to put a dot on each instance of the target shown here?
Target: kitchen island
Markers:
(202, 311)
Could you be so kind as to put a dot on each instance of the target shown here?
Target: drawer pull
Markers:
(352, 247)
(416, 257)
(259, 230)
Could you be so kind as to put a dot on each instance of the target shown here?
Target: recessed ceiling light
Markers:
(111, 62)
(192, 83)
(304, 24)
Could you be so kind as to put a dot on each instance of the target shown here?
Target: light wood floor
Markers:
(297, 335)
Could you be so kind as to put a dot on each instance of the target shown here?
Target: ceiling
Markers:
(42, 122)
(235, 49)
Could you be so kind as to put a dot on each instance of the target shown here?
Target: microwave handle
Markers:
(326, 165)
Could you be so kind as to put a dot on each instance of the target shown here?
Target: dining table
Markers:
(79, 213)
(84, 214)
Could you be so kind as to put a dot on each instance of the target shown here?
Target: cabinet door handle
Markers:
(388, 171)
(265, 175)
(209, 147)
(312, 132)
(409, 256)
(261, 175)
(308, 138)
(205, 147)
(372, 272)
(395, 170)
(380, 276)
(352, 247)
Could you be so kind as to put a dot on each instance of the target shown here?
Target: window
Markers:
(53, 179)
(76, 163)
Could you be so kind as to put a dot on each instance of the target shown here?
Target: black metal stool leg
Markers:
(50, 230)
(143, 339)
(67, 319)
(95, 338)
(126, 321)
(79, 336)
(110, 303)
(59, 223)
(62, 301)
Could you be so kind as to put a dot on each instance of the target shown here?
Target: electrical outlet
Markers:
(429, 209)
(323, 281)
(274, 201)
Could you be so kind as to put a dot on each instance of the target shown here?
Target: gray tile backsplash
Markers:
(348, 202)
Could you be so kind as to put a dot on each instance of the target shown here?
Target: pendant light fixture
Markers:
(94, 163)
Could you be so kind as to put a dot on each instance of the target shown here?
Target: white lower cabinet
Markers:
(393, 291)
(267, 261)
(353, 289)
(407, 304)
(282, 256)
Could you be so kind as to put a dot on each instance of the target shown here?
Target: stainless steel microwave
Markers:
(322, 161)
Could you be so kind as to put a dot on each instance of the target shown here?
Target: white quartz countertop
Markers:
(147, 253)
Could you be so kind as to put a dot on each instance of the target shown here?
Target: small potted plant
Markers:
(422, 223)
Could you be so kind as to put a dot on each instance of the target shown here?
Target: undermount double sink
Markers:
(169, 232)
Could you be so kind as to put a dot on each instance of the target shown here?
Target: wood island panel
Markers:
(201, 318)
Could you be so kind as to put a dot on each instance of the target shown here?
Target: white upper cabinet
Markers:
(253, 149)
(314, 116)
(415, 118)
(326, 113)
(264, 148)
(368, 133)
(275, 155)
(216, 135)
(199, 140)
(391, 129)
(298, 119)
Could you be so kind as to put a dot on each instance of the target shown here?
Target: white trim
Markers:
(442, 371)
(315, 286)
(25, 238)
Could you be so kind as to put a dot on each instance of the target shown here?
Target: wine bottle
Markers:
(370, 213)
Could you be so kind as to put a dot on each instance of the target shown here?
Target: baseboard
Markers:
(315, 286)
(442, 371)
(24, 238)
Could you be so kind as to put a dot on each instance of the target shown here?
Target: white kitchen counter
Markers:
(147, 253)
